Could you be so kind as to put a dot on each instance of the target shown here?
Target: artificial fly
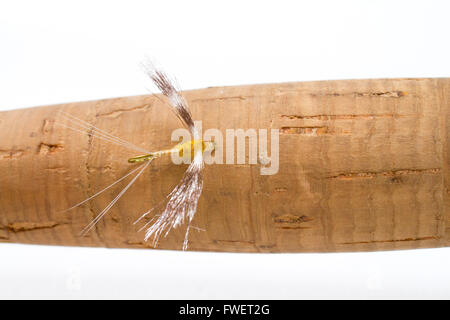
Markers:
(180, 205)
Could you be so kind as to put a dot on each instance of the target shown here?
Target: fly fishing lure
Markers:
(180, 204)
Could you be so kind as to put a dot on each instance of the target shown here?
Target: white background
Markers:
(63, 51)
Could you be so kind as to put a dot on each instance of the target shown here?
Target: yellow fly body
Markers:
(183, 149)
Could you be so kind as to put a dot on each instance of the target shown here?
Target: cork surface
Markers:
(364, 165)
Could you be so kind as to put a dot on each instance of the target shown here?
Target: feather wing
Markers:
(169, 90)
(181, 204)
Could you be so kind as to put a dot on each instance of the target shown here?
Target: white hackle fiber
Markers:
(181, 204)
